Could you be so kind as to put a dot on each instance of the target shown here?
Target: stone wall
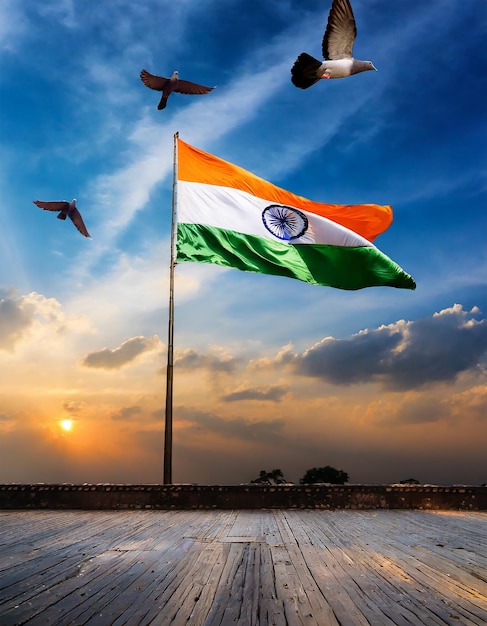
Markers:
(113, 496)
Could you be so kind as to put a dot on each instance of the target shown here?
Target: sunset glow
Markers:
(67, 425)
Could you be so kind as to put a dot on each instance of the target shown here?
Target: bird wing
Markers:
(340, 32)
(153, 82)
(77, 220)
(185, 86)
(52, 206)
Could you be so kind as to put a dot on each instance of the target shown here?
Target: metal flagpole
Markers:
(170, 340)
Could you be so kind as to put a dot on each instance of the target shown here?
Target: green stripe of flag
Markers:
(318, 264)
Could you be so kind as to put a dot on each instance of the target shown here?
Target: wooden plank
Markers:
(147, 591)
(335, 580)
(384, 584)
(227, 603)
(208, 568)
(271, 605)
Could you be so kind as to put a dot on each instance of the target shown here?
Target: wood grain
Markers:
(280, 567)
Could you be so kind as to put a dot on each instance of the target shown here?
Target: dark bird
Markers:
(337, 47)
(66, 209)
(168, 85)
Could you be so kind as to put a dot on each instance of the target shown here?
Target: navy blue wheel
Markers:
(284, 222)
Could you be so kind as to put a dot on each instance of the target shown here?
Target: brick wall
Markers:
(113, 496)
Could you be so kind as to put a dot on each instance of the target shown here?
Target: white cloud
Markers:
(12, 26)
(35, 320)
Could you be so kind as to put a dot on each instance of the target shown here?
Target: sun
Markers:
(67, 425)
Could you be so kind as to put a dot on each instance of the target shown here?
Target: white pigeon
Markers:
(337, 47)
(65, 209)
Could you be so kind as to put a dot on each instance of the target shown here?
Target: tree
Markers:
(409, 481)
(275, 477)
(325, 474)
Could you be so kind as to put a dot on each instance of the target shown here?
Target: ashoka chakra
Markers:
(284, 222)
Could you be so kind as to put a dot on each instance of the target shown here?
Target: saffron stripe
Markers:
(194, 165)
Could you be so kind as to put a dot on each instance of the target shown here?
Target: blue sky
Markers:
(382, 383)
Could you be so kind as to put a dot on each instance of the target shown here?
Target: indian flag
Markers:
(228, 216)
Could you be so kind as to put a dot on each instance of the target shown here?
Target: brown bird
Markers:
(337, 47)
(65, 209)
(168, 85)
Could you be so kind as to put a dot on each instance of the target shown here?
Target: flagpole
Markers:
(170, 340)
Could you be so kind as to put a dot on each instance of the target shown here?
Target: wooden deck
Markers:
(243, 567)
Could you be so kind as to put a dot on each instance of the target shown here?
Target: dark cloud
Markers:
(73, 407)
(16, 316)
(191, 359)
(349, 361)
(262, 431)
(269, 394)
(125, 353)
(126, 413)
(404, 355)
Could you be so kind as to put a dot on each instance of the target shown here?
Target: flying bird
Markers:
(168, 85)
(66, 209)
(337, 48)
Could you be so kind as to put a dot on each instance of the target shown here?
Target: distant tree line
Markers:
(325, 474)
(274, 477)
(312, 476)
